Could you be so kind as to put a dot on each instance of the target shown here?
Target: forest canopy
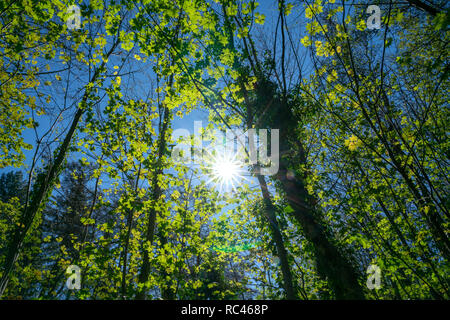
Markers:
(226, 149)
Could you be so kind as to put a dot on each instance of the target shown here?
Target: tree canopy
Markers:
(338, 187)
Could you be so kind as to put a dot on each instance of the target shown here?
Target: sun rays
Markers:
(225, 171)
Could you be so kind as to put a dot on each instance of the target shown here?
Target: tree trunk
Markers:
(278, 238)
(156, 194)
(332, 265)
(43, 187)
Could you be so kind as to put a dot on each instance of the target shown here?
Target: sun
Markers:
(225, 171)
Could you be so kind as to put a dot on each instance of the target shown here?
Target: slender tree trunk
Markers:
(155, 196)
(278, 238)
(423, 6)
(127, 240)
(45, 181)
(44, 184)
(167, 293)
(422, 196)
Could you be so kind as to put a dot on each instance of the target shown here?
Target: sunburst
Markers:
(225, 170)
